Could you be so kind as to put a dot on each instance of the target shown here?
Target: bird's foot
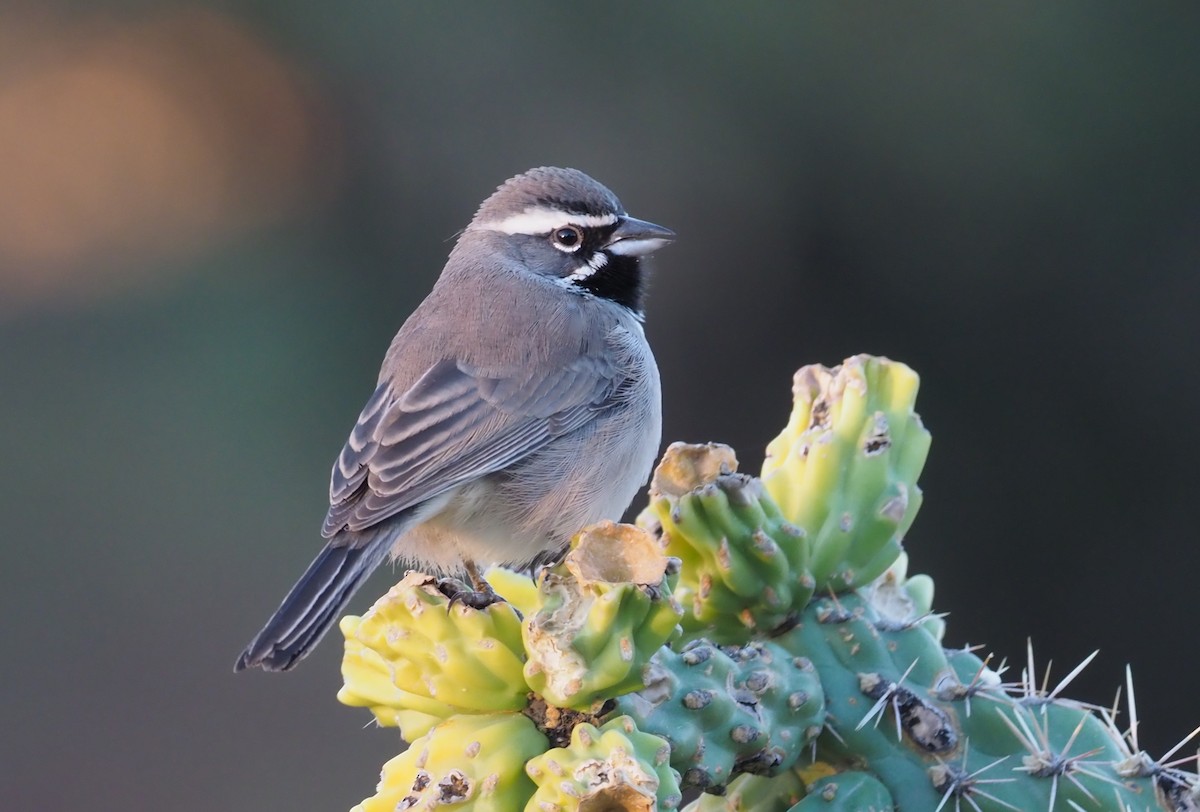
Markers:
(458, 592)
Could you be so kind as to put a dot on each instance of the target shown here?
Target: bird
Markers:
(519, 403)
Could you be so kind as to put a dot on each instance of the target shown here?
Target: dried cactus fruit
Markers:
(604, 611)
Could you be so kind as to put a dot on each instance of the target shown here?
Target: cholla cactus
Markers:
(468, 759)
(698, 504)
(759, 639)
(845, 468)
(615, 766)
(415, 660)
(602, 613)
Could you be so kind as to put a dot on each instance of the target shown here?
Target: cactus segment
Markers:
(850, 791)
(614, 766)
(729, 710)
(743, 565)
(468, 762)
(414, 659)
(515, 587)
(604, 611)
(845, 468)
(939, 727)
(754, 793)
(902, 601)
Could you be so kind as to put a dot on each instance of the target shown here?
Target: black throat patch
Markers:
(619, 280)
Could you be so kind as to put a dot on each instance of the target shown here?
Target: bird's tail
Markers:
(315, 601)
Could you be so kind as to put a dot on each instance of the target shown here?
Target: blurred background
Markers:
(213, 217)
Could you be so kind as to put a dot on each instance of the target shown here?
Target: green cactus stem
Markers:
(850, 791)
(754, 793)
(744, 566)
(729, 710)
(845, 468)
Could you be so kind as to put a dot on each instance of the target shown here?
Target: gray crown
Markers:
(566, 190)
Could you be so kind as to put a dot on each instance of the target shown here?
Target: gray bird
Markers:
(517, 404)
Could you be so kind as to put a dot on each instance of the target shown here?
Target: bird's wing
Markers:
(455, 424)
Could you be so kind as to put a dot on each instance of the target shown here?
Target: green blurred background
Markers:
(214, 217)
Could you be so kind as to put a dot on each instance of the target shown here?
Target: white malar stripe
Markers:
(597, 261)
(539, 220)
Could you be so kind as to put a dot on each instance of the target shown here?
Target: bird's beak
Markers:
(636, 238)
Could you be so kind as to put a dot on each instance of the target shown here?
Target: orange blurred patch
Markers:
(126, 143)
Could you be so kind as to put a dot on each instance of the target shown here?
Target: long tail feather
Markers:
(314, 602)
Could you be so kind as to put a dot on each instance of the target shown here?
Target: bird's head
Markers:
(566, 226)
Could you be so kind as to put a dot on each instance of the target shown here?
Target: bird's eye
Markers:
(567, 238)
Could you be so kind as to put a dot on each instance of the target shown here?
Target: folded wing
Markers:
(455, 424)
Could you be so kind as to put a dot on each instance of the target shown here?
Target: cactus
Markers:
(756, 638)
(600, 617)
(609, 767)
(755, 793)
(472, 761)
(415, 660)
(845, 468)
(698, 503)
(849, 791)
(729, 710)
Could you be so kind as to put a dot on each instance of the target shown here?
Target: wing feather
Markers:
(456, 423)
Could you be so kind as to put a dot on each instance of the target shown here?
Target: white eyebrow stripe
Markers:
(538, 220)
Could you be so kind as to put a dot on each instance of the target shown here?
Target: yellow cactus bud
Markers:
(414, 659)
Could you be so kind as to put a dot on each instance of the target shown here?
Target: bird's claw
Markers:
(458, 592)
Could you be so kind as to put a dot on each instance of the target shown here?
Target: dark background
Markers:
(214, 217)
